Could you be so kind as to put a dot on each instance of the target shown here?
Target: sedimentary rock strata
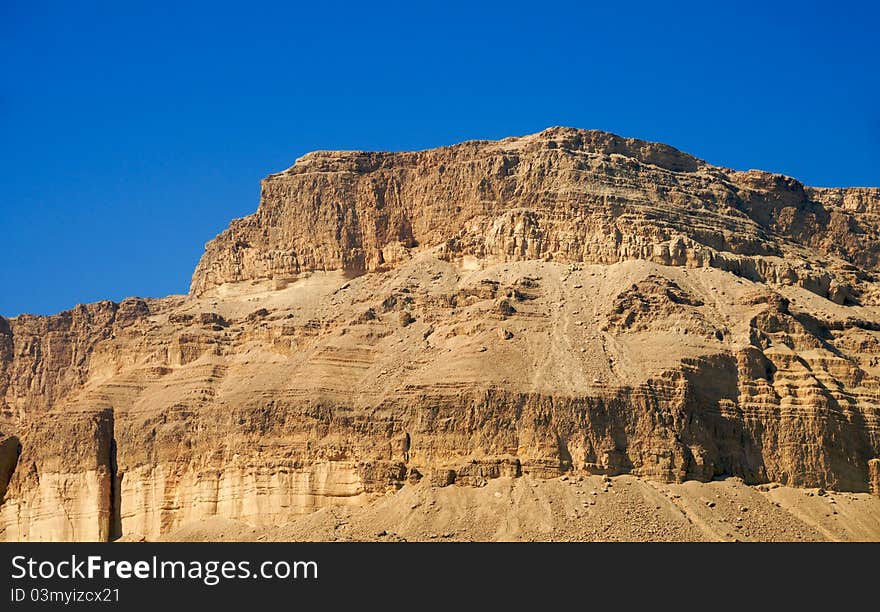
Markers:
(566, 302)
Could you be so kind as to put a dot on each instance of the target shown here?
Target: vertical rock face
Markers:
(566, 301)
(158, 499)
(566, 194)
(10, 449)
(62, 486)
(46, 359)
(874, 476)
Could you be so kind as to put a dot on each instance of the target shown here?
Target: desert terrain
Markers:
(563, 336)
(574, 509)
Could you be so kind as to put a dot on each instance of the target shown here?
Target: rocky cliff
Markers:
(570, 301)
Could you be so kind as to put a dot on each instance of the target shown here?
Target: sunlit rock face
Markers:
(570, 301)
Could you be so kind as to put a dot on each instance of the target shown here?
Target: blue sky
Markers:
(131, 133)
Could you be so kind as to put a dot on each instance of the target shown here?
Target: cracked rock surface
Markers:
(397, 329)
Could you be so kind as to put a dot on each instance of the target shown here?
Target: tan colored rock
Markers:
(563, 194)
(63, 485)
(569, 301)
(874, 476)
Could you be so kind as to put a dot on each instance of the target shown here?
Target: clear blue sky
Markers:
(131, 133)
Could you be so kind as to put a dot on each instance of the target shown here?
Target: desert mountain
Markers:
(567, 304)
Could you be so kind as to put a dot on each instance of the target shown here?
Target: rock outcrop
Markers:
(564, 194)
(62, 487)
(567, 301)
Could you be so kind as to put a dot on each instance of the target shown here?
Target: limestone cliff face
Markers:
(565, 301)
(564, 194)
(62, 487)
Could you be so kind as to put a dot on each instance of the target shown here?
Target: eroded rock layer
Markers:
(567, 301)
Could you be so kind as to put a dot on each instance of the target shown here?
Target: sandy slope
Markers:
(577, 508)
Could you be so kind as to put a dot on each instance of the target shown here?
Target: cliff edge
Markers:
(567, 304)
